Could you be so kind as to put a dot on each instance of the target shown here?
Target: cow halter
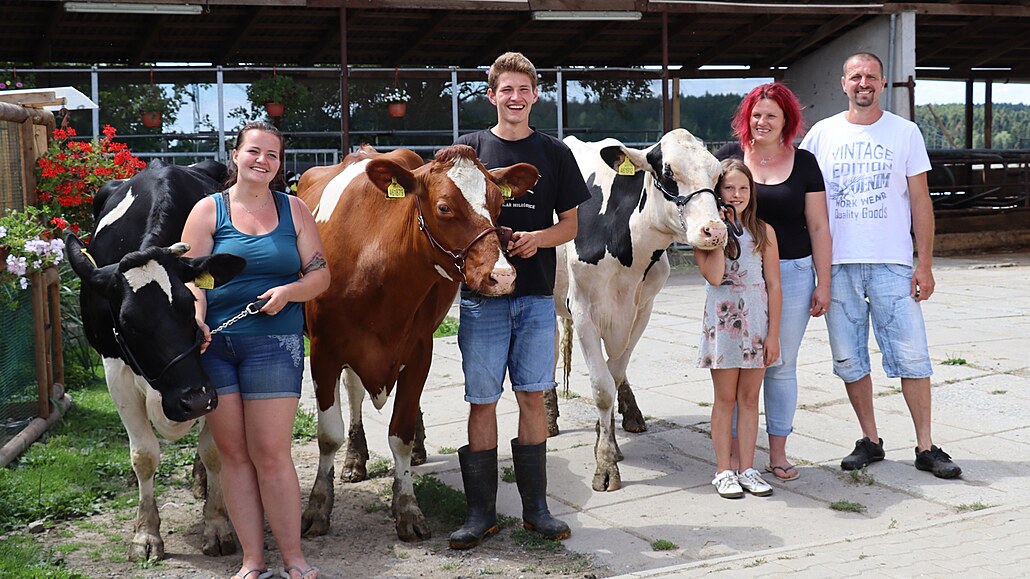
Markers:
(503, 234)
(733, 229)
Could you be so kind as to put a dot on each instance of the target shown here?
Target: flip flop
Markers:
(261, 574)
(781, 472)
(303, 574)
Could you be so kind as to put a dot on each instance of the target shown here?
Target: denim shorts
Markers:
(881, 292)
(256, 366)
(506, 333)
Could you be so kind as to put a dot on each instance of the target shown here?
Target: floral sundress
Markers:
(736, 320)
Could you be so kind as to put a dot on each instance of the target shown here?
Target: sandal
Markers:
(782, 472)
(262, 574)
(303, 574)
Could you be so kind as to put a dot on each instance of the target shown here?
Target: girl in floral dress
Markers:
(740, 331)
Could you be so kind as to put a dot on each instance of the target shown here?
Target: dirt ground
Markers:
(362, 542)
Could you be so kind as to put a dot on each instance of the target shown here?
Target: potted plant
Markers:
(275, 92)
(396, 100)
(151, 113)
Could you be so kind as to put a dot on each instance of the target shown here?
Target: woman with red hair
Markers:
(792, 199)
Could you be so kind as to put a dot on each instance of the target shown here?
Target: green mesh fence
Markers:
(18, 391)
(11, 194)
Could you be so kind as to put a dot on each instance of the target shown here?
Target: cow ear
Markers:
(99, 279)
(391, 178)
(211, 271)
(514, 181)
(615, 156)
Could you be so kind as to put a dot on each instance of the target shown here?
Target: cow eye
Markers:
(667, 173)
(443, 208)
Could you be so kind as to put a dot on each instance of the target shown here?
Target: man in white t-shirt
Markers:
(874, 164)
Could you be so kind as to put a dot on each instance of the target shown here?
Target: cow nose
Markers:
(504, 278)
(193, 404)
(717, 232)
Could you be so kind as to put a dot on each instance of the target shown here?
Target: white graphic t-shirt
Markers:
(866, 170)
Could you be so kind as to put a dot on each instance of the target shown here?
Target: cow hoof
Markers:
(418, 456)
(607, 479)
(218, 540)
(413, 529)
(313, 526)
(353, 473)
(634, 422)
(146, 547)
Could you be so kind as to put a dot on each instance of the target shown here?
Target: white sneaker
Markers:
(726, 484)
(753, 483)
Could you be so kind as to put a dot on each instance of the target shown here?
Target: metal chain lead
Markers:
(251, 309)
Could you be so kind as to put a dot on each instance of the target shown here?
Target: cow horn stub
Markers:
(179, 248)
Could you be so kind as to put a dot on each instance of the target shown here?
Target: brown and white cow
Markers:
(616, 265)
(399, 237)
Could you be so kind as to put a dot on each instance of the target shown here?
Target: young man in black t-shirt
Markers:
(515, 333)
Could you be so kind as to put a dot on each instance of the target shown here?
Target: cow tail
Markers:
(566, 352)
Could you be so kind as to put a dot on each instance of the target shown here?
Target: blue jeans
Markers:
(256, 366)
(797, 279)
(880, 292)
(496, 334)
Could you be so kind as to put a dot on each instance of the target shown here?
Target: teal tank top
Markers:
(272, 260)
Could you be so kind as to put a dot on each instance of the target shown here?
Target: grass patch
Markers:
(305, 425)
(755, 563)
(969, 507)
(999, 391)
(83, 464)
(508, 474)
(448, 450)
(378, 466)
(448, 327)
(569, 394)
(23, 558)
(704, 404)
(440, 501)
(861, 476)
(663, 545)
(533, 541)
(955, 362)
(847, 506)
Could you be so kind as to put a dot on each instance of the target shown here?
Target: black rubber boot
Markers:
(531, 476)
(479, 474)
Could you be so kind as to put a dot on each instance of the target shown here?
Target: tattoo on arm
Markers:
(316, 262)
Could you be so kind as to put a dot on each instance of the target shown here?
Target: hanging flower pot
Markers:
(275, 109)
(151, 119)
(397, 110)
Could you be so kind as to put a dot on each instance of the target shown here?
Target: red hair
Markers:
(778, 93)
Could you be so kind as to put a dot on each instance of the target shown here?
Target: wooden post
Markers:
(53, 284)
(39, 334)
(988, 116)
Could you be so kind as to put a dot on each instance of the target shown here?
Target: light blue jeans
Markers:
(880, 292)
(780, 388)
(505, 333)
(797, 279)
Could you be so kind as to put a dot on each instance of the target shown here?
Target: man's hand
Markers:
(922, 283)
(523, 244)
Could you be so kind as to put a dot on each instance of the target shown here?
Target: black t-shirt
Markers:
(559, 189)
(783, 205)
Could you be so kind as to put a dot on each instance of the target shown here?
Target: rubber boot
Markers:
(479, 474)
(531, 477)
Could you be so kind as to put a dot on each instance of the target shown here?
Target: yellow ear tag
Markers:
(204, 281)
(626, 167)
(506, 190)
(86, 253)
(394, 190)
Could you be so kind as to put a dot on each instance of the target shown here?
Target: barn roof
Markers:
(955, 38)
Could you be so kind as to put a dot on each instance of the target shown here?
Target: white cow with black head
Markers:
(641, 202)
(139, 315)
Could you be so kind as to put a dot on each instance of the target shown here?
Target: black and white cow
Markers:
(139, 315)
(608, 276)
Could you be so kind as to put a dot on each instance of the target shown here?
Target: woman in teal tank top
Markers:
(257, 363)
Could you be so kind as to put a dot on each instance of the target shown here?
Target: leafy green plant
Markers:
(847, 506)
(954, 361)
(861, 476)
(440, 501)
(448, 327)
(508, 474)
(305, 425)
(277, 88)
(533, 541)
(22, 558)
(977, 506)
(663, 545)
